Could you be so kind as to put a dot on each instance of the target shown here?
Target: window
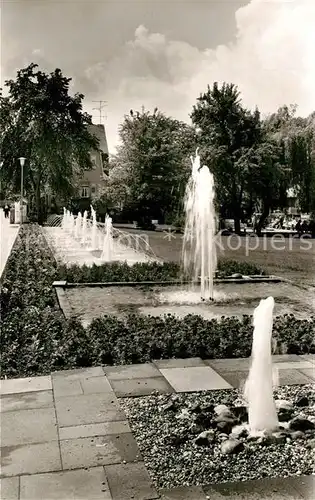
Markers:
(93, 160)
(85, 192)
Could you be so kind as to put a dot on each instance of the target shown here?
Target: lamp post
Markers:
(22, 161)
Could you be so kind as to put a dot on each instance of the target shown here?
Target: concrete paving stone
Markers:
(229, 365)
(66, 387)
(18, 385)
(122, 372)
(9, 488)
(285, 358)
(28, 426)
(130, 481)
(292, 377)
(79, 373)
(291, 365)
(88, 409)
(184, 493)
(309, 357)
(94, 385)
(310, 373)
(103, 429)
(26, 401)
(305, 485)
(30, 459)
(99, 450)
(81, 484)
(140, 386)
(194, 378)
(262, 489)
(178, 362)
(235, 379)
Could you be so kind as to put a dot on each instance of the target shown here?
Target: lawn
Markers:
(290, 258)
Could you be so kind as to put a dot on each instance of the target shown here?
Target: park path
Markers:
(8, 233)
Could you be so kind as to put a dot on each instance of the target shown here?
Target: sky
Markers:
(164, 53)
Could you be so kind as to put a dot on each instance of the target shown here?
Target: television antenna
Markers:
(99, 108)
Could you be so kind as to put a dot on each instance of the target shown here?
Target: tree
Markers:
(42, 122)
(228, 132)
(152, 162)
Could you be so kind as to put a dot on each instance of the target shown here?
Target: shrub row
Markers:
(37, 339)
(153, 271)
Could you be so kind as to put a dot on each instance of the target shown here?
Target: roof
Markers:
(99, 132)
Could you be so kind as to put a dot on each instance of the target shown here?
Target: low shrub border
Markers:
(37, 339)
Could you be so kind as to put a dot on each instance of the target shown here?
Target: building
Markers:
(90, 185)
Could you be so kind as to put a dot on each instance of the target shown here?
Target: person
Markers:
(298, 227)
(304, 227)
(6, 211)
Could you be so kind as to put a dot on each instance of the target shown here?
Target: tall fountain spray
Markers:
(94, 245)
(262, 415)
(199, 251)
(84, 228)
(78, 226)
(107, 253)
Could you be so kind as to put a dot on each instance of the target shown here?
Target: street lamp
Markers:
(22, 161)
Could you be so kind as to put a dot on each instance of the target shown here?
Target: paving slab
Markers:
(103, 429)
(140, 386)
(122, 372)
(194, 378)
(229, 365)
(285, 358)
(184, 493)
(18, 385)
(88, 409)
(28, 426)
(93, 385)
(63, 386)
(99, 450)
(30, 459)
(291, 365)
(81, 484)
(236, 379)
(130, 481)
(309, 372)
(305, 485)
(26, 401)
(292, 377)
(10, 487)
(262, 489)
(79, 373)
(309, 357)
(178, 362)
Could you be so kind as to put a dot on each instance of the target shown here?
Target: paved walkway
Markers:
(8, 233)
(65, 436)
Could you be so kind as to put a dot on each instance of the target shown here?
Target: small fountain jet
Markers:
(199, 252)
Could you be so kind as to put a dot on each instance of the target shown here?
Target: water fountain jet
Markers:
(199, 252)
(258, 392)
(107, 252)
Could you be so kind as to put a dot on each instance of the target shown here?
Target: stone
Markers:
(225, 426)
(122, 372)
(283, 404)
(301, 424)
(236, 275)
(219, 409)
(183, 493)
(297, 435)
(311, 444)
(231, 446)
(241, 413)
(204, 420)
(205, 438)
(178, 362)
(275, 438)
(285, 415)
(90, 430)
(66, 485)
(239, 431)
(302, 401)
(140, 387)
(26, 401)
(178, 439)
(19, 385)
(10, 488)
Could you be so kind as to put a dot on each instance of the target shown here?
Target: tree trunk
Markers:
(262, 219)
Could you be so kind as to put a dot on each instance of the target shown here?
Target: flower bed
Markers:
(37, 339)
(186, 439)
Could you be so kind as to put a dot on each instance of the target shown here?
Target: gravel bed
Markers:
(165, 429)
